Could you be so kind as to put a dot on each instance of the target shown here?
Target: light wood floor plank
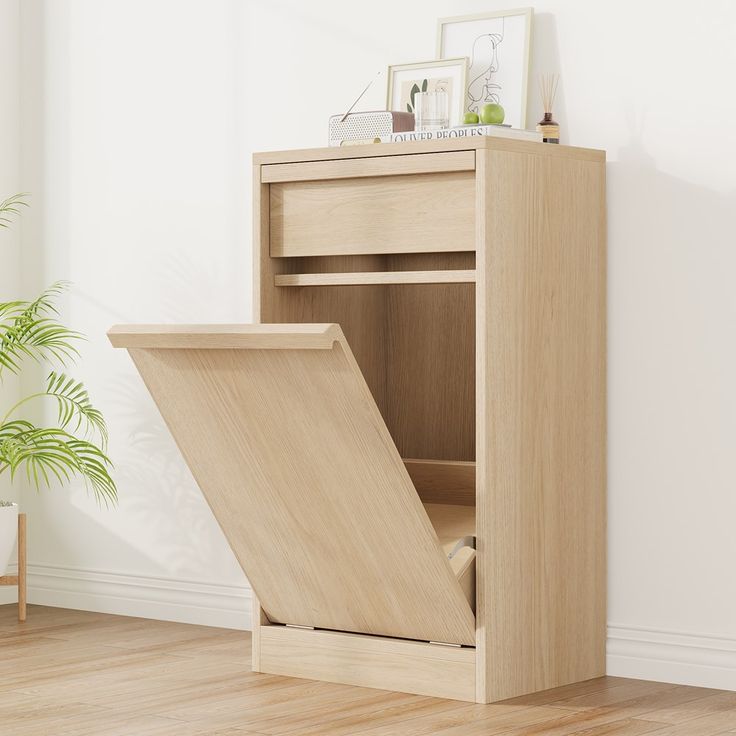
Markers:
(87, 674)
(625, 727)
(709, 725)
(709, 701)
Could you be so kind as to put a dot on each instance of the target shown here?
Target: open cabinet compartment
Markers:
(415, 345)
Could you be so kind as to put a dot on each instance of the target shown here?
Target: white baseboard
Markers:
(642, 653)
(671, 656)
(185, 601)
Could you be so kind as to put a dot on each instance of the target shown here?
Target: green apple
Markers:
(470, 118)
(492, 114)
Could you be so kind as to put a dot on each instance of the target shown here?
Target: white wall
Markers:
(132, 109)
(9, 144)
(9, 184)
(139, 122)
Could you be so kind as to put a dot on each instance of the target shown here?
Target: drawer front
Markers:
(380, 213)
(350, 168)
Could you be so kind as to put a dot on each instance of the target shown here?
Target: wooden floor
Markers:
(71, 673)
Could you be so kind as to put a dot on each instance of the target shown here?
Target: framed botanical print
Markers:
(441, 75)
(497, 46)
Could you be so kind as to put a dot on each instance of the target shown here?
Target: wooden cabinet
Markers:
(429, 368)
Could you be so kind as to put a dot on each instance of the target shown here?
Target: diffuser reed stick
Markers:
(549, 129)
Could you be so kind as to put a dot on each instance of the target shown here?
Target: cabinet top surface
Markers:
(370, 150)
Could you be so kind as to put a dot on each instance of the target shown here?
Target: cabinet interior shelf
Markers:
(376, 277)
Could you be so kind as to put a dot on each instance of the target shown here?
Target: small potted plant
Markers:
(76, 443)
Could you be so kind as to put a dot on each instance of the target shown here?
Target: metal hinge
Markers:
(445, 644)
(468, 541)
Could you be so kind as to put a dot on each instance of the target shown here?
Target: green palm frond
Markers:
(74, 403)
(10, 208)
(30, 329)
(8, 430)
(48, 453)
(44, 305)
(33, 330)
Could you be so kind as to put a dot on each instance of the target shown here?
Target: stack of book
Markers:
(461, 131)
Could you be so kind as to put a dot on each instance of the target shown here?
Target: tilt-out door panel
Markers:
(285, 440)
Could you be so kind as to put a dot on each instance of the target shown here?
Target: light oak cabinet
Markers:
(426, 375)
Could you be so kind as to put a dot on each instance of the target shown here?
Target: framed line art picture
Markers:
(497, 46)
(448, 75)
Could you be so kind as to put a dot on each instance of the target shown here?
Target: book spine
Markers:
(465, 132)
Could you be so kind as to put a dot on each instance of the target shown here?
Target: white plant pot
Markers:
(8, 534)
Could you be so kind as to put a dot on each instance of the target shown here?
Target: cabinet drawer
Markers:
(420, 205)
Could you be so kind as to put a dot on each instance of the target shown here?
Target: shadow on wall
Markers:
(158, 487)
(545, 59)
(51, 526)
(177, 527)
(672, 397)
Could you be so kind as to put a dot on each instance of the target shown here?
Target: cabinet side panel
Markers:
(267, 298)
(260, 252)
(542, 422)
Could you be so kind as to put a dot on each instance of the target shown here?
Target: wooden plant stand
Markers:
(20, 578)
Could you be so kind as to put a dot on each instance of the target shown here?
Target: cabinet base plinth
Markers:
(368, 661)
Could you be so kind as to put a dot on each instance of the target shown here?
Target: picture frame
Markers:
(496, 72)
(423, 76)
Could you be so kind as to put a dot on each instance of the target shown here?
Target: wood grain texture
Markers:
(361, 314)
(355, 168)
(475, 143)
(441, 481)
(22, 566)
(414, 343)
(259, 619)
(386, 214)
(92, 674)
(507, 373)
(430, 370)
(463, 565)
(542, 426)
(370, 661)
(451, 523)
(296, 462)
(375, 277)
(264, 269)
(367, 263)
(226, 337)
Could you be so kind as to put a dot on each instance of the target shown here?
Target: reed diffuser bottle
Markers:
(549, 129)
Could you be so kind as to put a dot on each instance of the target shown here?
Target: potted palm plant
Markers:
(76, 444)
